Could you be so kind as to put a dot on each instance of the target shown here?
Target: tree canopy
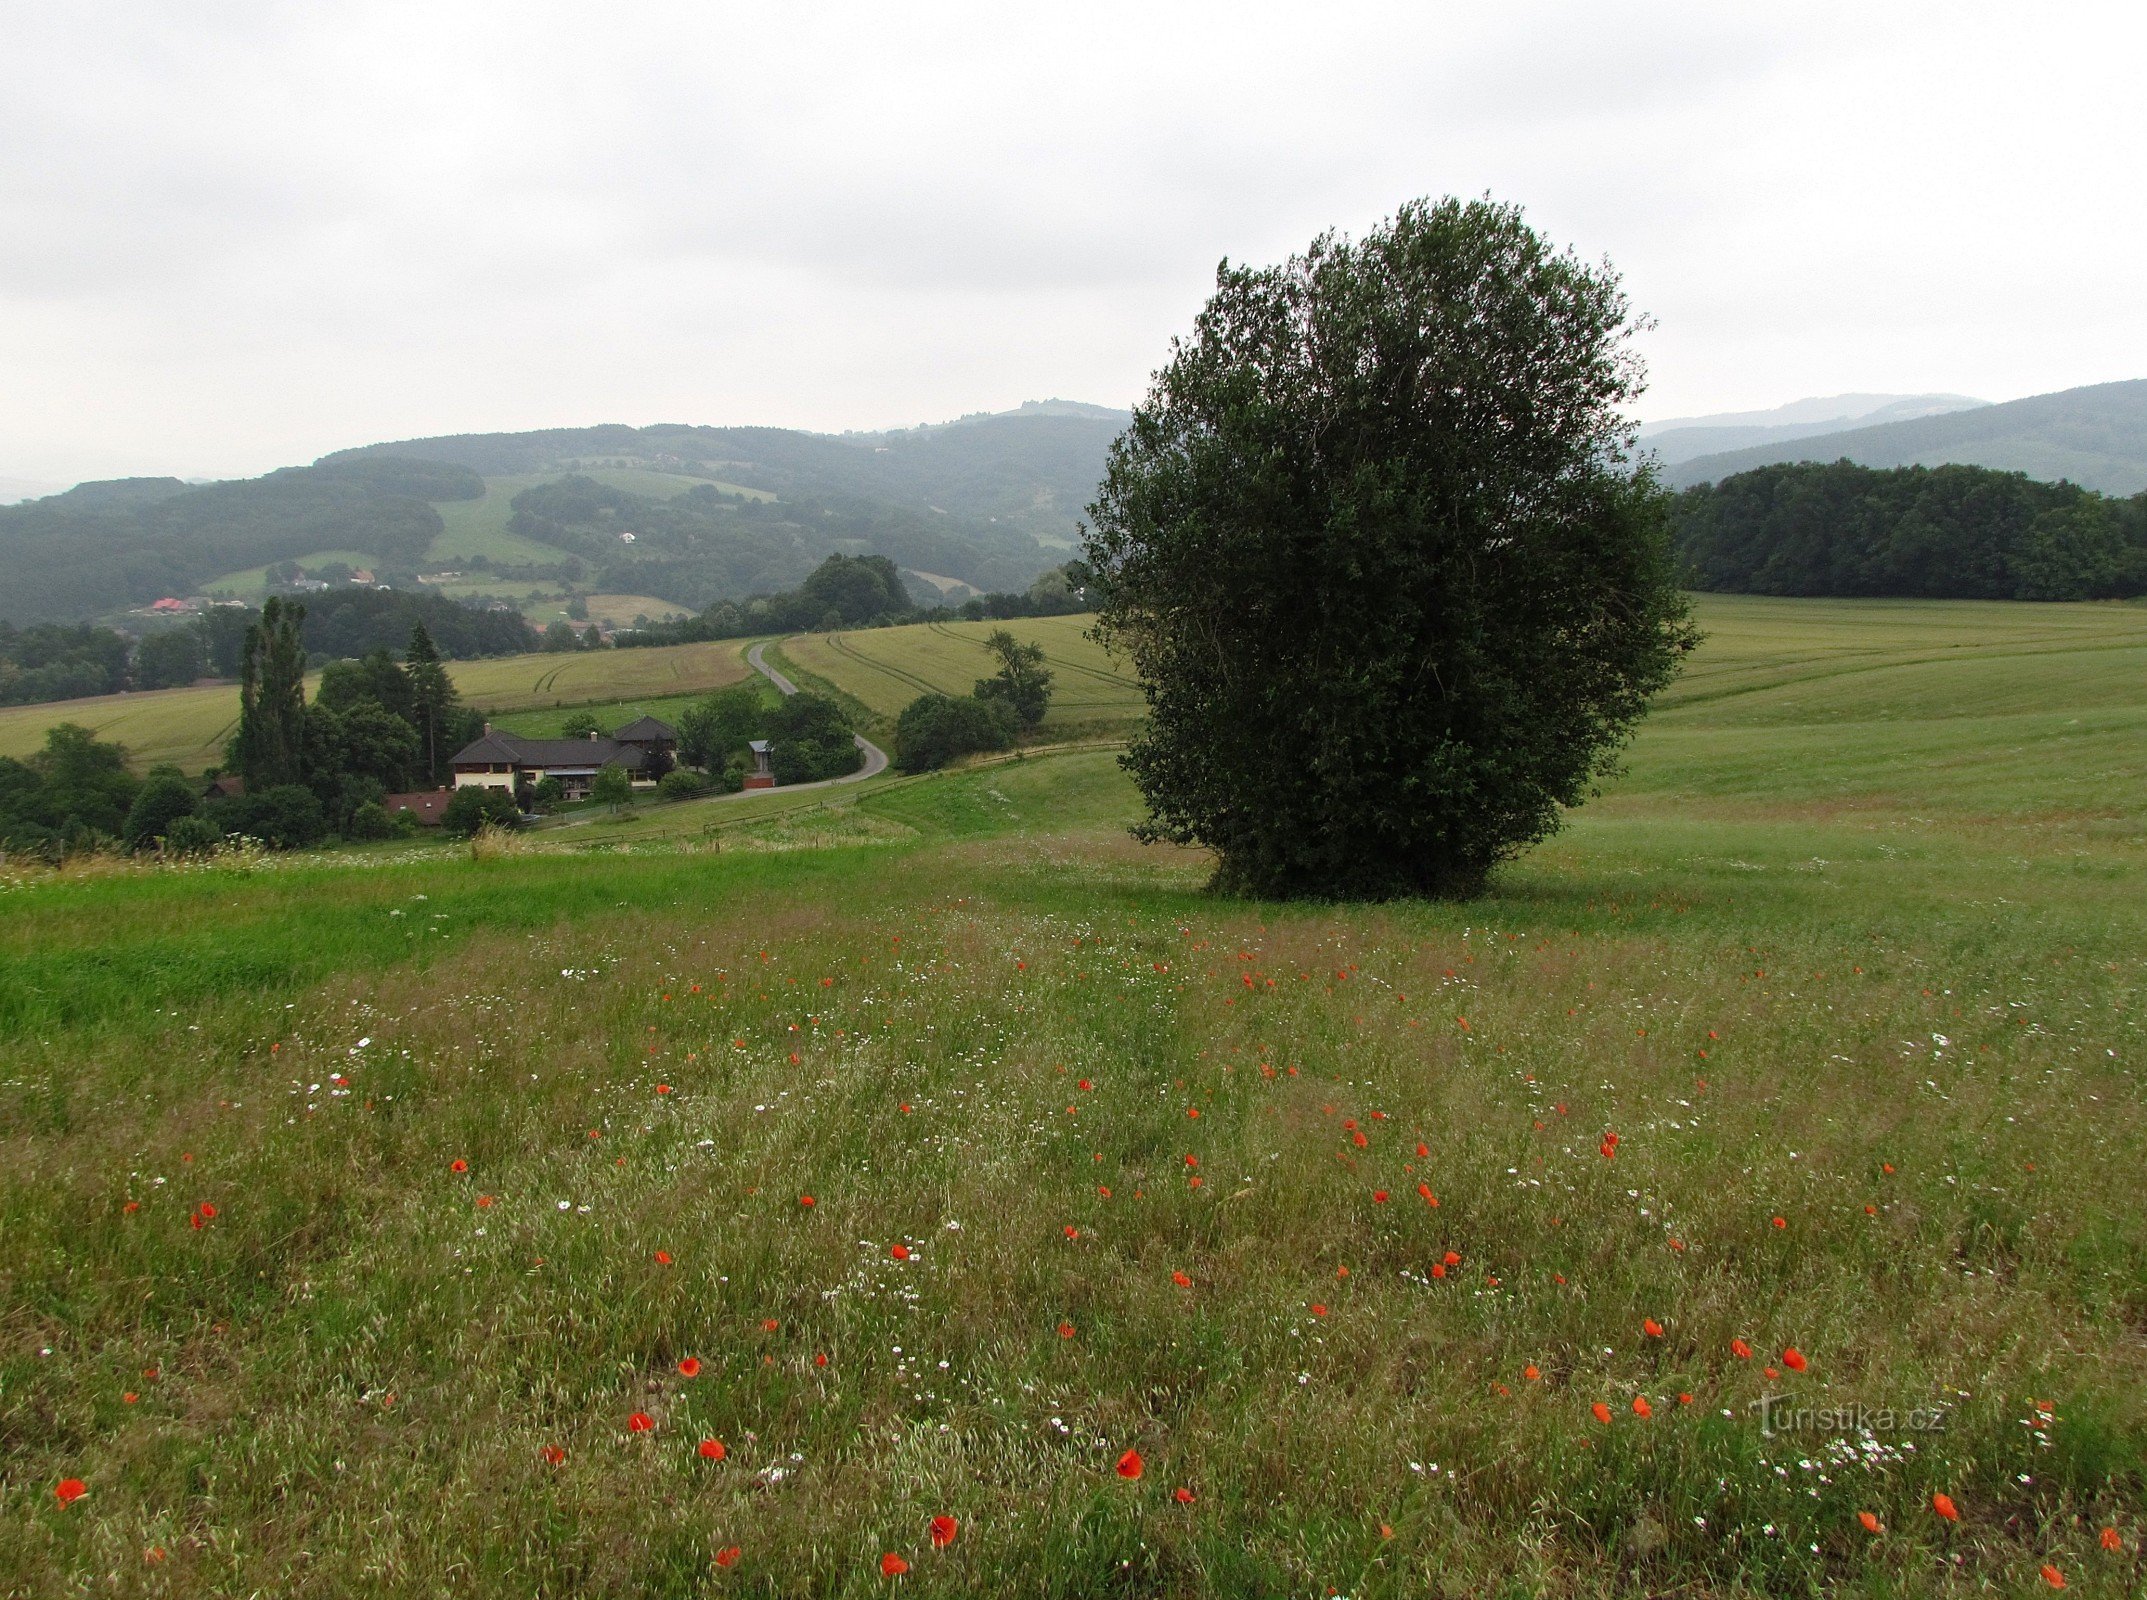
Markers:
(1377, 547)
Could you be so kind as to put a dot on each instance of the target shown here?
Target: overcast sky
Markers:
(235, 236)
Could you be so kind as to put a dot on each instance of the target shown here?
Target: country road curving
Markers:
(875, 757)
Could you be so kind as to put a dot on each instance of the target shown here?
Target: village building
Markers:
(645, 748)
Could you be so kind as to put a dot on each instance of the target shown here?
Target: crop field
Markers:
(887, 668)
(926, 1189)
(188, 727)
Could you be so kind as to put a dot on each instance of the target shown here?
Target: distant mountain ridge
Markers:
(2094, 436)
(1677, 439)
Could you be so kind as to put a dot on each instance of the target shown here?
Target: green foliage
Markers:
(434, 705)
(715, 728)
(684, 784)
(170, 657)
(935, 729)
(161, 800)
(1374, 547)
(580, 725)
(370, 821)
(474, 806)
(612, 786)
(52, 662)
(269, 748)
(1935, 532)
(286, 816)
(192, 836)
(810, 740)
(74, 791)
(1022, 683)
(548, 791)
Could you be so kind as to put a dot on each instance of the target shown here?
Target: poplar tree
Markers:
(433, 700)
(272, 699)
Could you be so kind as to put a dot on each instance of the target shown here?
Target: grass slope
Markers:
(887, 668)
(1820, 1031)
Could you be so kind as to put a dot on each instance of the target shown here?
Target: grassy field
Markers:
(252, 584)
(188, 727)
(479, 527)
(887, 668)
(1747, 1164)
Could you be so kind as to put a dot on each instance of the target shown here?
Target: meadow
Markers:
(926, 1189)
(189, 727)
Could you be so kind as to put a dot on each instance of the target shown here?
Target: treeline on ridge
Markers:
(1940, 533)
(128, 541)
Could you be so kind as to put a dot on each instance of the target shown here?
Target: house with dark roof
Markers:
(645, 747)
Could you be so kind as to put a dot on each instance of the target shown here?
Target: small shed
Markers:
(761, 775)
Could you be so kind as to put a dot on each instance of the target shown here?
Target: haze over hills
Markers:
(1676, 439)
(663, 517)
(2095, 436)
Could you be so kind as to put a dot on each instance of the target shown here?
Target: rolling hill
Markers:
(682, 516)
(1676, 439)
(2094, 436)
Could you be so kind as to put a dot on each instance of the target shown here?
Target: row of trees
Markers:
(1953, 532)
(935, 729)
(808, 736)
(865, 592)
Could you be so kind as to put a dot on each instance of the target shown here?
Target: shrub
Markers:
(684, 784)
(550, 791)
(370, 821)
(934, 729)
(474, 806)
(810, 740)
(159, 803)
(191, 836)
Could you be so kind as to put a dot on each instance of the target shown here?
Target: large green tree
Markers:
(1022, 682)
(433, 703)
(1378, 546)
(270, 745)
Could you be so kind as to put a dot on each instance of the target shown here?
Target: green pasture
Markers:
(1819, 1032)
(886, 668)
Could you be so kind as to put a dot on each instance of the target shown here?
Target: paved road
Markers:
(875, 757)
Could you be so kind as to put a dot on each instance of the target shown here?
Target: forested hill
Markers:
(2094, 436)
(1029, 471)
(1959, 533)
(103, 546)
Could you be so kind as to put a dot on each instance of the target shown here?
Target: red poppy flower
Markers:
(1870, 1522)
(1318, 1310)
(690, 1367)
(68, 1490)
(892, 1565)
(820, 1358)
(2111, 1540)
(1184, 1497)
(1438, 1269)
(1453, 1258)
(1423, 1150)
(1602, 1412)
(1741, 1350)
(1181, 1280)
(663, 1088)
(553, 1454)
(1086, 1084)
(943, 1531)
(1066, 1330)
(712, 1450)
(207, 1211)
(663, 1258)
(769, 1324)
(1641, 1408)
(1944, 1506)
(1770, 1372)
(1781, 1222)
(807, 1200)
(1531, 1372)
(728, 1556)
(1424, 1189)
(640, 1422)
(2053, 1577)
(1130, 1465)
(1072, 1232)
(900, 1252)
(458, 1165)
(1650, 1327)
(1793, 1359)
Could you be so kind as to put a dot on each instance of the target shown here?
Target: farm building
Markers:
(644, 747)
